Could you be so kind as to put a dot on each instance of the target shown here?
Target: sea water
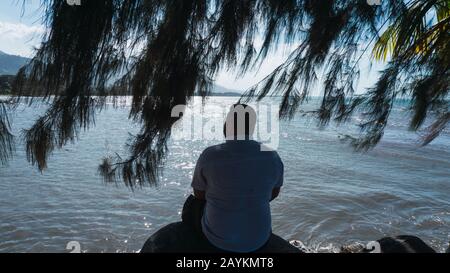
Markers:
(333, 196)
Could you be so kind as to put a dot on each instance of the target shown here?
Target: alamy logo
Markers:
(74, 247)
(374, 247)
(206, 123)
(374, 2)
(73, 2)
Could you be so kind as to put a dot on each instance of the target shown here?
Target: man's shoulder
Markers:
(272, 155)
(268, 150)
(216, 151)
(212, 151)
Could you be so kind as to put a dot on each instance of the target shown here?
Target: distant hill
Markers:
(220, 91)
(10, 64)
(5, 84)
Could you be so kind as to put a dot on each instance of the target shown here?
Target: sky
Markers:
(21, 30)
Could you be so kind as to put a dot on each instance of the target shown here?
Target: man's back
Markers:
(238, 179)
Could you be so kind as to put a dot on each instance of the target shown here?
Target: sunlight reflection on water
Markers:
(332, 196)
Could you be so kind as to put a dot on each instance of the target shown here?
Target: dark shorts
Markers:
(187, 236)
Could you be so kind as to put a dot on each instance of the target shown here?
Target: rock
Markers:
(301, 246)
(404, 244)
(399, 244)
(182, 238)
(353, 248)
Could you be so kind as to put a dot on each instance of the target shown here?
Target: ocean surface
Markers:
(333, 196)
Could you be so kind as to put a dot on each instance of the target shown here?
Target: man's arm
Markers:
(199, 181)
(275, 193)
(280, 181)
(201, 195)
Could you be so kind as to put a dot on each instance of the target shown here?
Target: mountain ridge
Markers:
(10, 65)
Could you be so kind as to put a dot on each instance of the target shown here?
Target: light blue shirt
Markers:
(238, 179)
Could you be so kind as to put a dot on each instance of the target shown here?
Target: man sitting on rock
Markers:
(238, 180)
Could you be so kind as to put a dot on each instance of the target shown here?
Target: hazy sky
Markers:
(21, 31)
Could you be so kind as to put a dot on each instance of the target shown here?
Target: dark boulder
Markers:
(392, 245)
(182, 238)
(404, 244)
